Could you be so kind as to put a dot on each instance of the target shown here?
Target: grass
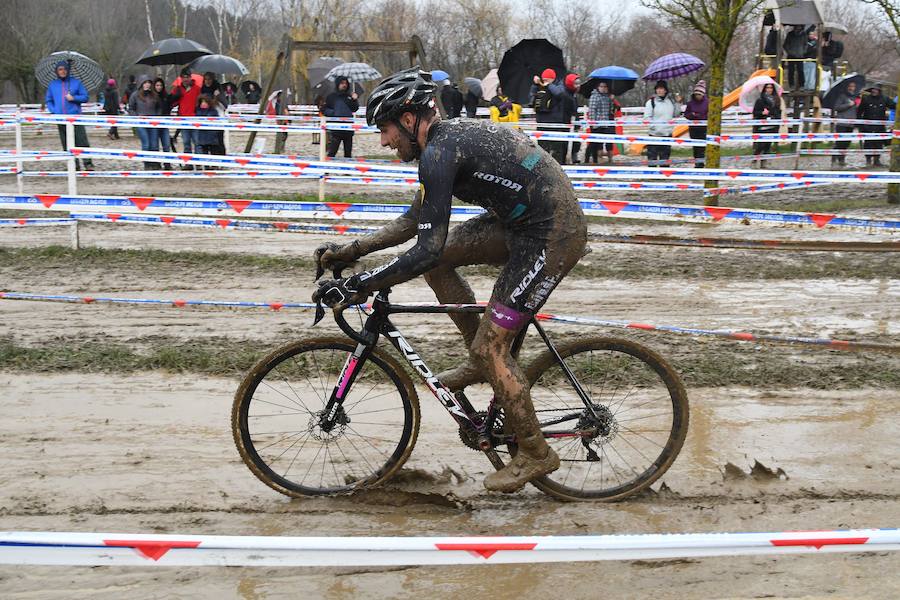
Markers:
(702, 363)
(608, 261)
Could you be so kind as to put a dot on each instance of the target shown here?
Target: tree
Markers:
(717, 21)
(891, 9)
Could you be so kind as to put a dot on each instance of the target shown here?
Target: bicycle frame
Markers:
(460, 409)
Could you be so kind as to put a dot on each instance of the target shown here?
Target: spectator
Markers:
(145, 103)
(64, 96)
(767, 106)
(210, 86)
(129, 89)
(874, 107)
(572, 83)
(832, 50)
(811, 55)
(342, 102)
(845, 107)
(111, 106)
(548, 99)
(166, 144)
(697, 109)
(471, 104)
(600, 108)
(660, 110)
(451, 99)
(795, 48)
(185, 93)
(504, 110)
(229, 94)
(253, 93)
(207, 139)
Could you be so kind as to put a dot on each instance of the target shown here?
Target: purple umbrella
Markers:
(673, 65)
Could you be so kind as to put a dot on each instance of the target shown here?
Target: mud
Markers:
(808, 443)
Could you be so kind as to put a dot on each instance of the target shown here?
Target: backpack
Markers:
(542, 100)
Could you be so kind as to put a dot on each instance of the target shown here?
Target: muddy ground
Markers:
(117, 417)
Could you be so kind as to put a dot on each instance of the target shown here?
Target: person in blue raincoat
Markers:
(64, 96)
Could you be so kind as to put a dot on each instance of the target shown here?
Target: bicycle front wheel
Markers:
(636, 424)
(278, 410)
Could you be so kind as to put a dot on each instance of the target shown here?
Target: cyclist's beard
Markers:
(405, 150)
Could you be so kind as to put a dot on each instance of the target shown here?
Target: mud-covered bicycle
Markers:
(334, 415)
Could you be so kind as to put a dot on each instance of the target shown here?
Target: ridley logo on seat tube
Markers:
(442, 393)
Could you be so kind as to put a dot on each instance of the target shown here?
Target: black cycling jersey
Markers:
(479, 162)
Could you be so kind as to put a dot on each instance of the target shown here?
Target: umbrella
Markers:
(799, 12)
(319, 68)
(525, 60)
(354, 71)
(474, 85)
(673, 65)
(80, 66)
(438, 76)
(619, 80)
(489, 85)
(245, 85)
(219, 64)
(172, 51)
(752, 89)
(840, 87)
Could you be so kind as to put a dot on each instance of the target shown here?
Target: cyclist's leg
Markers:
(481, 240)
(535, 268)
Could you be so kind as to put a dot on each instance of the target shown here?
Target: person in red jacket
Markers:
(185, 93)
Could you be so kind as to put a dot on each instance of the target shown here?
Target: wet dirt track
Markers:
(152, 451)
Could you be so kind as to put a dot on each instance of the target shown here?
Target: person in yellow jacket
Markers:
(504, 110)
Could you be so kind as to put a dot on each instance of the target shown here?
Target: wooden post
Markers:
(75, 242)
(70, 163)
(20, 186)
(262, 100)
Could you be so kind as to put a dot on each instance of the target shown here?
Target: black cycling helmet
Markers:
(406, 91)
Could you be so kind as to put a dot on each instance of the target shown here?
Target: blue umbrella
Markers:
(438, 76)
(618, 79)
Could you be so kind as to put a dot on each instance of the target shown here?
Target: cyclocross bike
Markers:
(333, 415)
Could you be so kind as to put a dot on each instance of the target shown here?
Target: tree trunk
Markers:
(715, 91)
(893, 195)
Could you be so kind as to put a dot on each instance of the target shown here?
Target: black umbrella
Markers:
(319, 68)
(326, 86)
(245, 85)
(840, 87)
(172, 51)
(218, 64)
(525, 60)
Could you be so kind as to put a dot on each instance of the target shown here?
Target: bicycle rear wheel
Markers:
(277, 428)
(631, 437)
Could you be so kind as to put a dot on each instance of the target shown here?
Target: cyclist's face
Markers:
(393, 137)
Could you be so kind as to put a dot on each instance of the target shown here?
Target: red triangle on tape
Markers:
(798, 175)
(113, 216)
(179, 303)
(717, 213)
(667, 172)
(341, 229)
(223, 223)
(296, 173)
(154, 550)
(734, 174)
(276, 305)
(185, 157)
(682, 186)
(168, 173)
(130, 154)
(601, 172)
(252, 173)
(818, 543)
(239, 205)
(362, 168)
(167, 220)
(142, 203)
(301, 165)
(242, 161)
(862, 176)
(613, 206)
(210, 173)
(590, 184)
(338, 207)
(22, 221)
(357, 126)
(636, 186)
(584, 136)
(76, 151)
(46, 200)
(536, 134)
(281, 225)
(641, 326)
(410, 180)
(87, 299)
(821, 220)
(486, 550)
(746, 337)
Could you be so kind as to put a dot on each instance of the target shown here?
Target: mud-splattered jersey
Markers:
(479, 162)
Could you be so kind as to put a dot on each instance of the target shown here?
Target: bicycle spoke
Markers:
(293, 411)
(258, 450)
(288, 398)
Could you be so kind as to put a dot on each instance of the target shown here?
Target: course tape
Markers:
(741, 336)
(127, 549)
(341, 229)
(365, 211)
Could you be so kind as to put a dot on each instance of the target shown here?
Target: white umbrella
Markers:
(489, 85)
(752, 89)
(354, 72)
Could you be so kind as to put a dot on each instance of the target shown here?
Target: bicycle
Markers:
(351, 405)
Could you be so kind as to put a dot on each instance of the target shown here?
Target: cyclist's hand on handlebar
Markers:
(335, 256)
(340, 293)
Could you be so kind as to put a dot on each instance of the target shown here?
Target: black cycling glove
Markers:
(340, 292)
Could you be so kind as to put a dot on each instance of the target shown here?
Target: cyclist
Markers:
(533, 225)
